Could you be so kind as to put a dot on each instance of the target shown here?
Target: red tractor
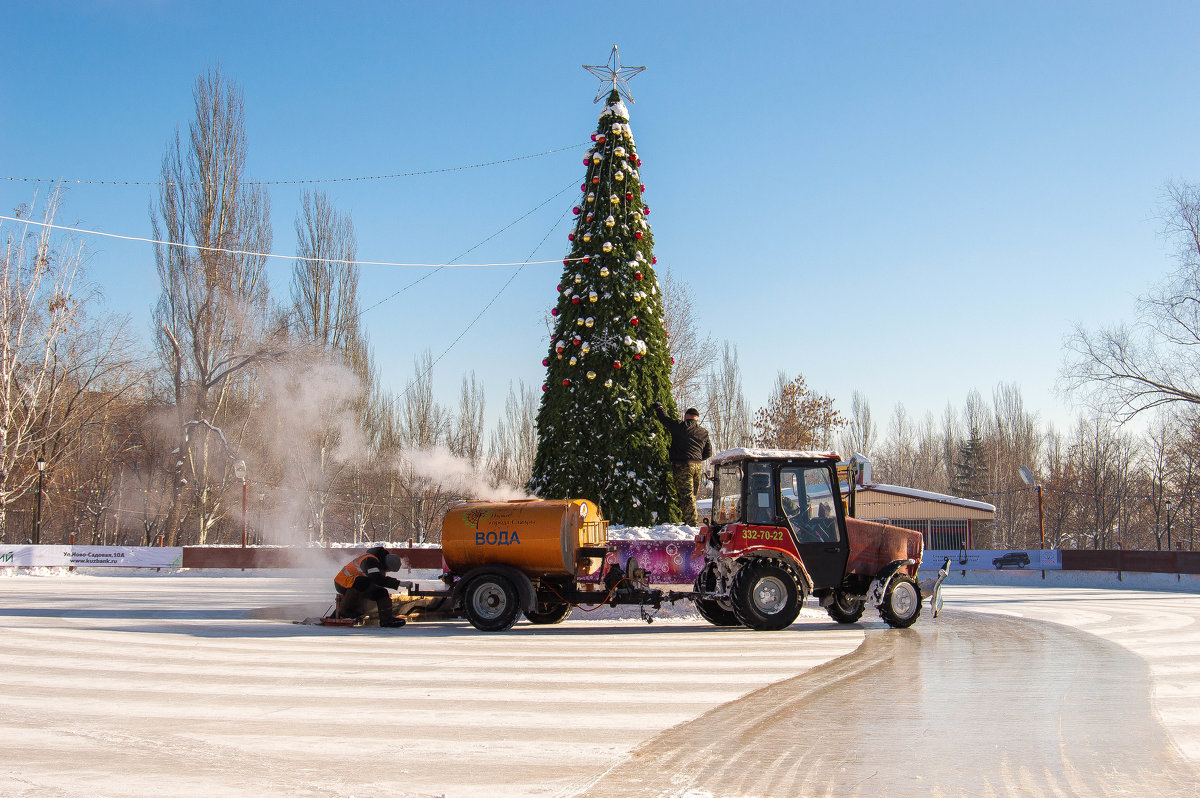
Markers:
(780, 531)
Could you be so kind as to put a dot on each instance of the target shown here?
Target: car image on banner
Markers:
(993, 559)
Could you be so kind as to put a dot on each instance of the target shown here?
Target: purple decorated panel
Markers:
(662, 562)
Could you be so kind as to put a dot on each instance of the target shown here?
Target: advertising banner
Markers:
(993, 559)
(657, 562)
(91, 556)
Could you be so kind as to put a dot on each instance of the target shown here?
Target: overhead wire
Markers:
(292, 182)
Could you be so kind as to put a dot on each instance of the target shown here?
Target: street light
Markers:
(239, 471)
(37, 520)
(1027, 477)
(1168, 524)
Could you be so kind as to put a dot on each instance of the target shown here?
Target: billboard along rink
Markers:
(133, 686)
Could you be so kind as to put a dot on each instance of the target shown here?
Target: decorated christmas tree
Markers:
(608, 360)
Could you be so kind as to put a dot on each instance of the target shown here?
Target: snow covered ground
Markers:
(132, 685)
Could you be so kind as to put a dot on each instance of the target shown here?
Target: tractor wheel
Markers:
(901, 603)
(845, 608)
(715, 611)
(549, 612)
(491, 603)
(766, 594)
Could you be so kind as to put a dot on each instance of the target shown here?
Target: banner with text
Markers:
(91, 556)
(993, 559)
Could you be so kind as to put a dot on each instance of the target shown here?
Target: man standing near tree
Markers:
(690, 447)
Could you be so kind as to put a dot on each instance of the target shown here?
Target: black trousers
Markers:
(351, 602)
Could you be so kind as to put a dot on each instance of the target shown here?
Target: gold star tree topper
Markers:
(613, 76)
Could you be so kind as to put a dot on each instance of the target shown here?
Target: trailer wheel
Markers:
(715, 611)
(549, 612)
(491, 603)
(766, 594)
(901, 603)
(845, 608)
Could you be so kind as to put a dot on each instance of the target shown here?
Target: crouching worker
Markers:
(365, 579)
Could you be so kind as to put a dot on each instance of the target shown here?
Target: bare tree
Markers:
(466, 432)
(211, 314)
(727, 416)
(1127, 369)
(514, 441)
(60, 367)
(692, 354)
(1014, 442)
(860, 433)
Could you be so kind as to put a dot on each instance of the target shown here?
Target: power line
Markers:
(301, 181)
(200, 248)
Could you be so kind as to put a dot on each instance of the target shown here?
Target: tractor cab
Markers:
(787, 501)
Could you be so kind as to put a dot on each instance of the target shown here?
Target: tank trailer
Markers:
(779, 531)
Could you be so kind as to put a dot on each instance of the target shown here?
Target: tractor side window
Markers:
(760, 494)
(727, 494)
(808, 504)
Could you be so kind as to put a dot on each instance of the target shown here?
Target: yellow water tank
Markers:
(539, 537)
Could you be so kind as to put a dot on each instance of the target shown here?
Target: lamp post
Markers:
(37, 519)
(239, 471)
(262, 498)
(1168, 524)
(1027, 477)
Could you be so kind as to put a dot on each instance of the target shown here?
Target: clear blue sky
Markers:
(908, 199)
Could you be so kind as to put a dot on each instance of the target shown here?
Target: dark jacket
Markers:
(689, 440)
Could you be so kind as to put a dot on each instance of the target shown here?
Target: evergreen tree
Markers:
(608, 360)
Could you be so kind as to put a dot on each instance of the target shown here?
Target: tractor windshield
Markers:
(727, 494)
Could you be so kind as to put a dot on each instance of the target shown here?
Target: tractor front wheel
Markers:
(766, 594)
(491, 603)
(901, 602)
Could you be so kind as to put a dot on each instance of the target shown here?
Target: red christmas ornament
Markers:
(653, 259)
(566, 261)
(637, 234)
(590, 217)
(639, 161)
(577, 340)
(637, 275)
(628, 195)
(583, 186)
(574, 300)
(642, 187)
(616, 364)
(554, 312)
(596, 180)
(577, 210)
(637, 357)
(559, 287)
(545, 361)
(570, 236)
(672, 361)
(646, 210)
(587, 258)
(601, 138)
(593, 137)
(545, 387)
(566, 382)
(587, 159)
(634, 321)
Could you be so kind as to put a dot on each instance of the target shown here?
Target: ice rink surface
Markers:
(127, 685)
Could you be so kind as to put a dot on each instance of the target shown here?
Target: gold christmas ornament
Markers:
(607, 248)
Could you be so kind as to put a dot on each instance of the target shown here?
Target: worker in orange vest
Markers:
(365, 579)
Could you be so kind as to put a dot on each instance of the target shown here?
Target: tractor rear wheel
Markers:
(491, 603)
(845, 608)
(766, 594)
(901, 602)
(715, 611)
(549, 612)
